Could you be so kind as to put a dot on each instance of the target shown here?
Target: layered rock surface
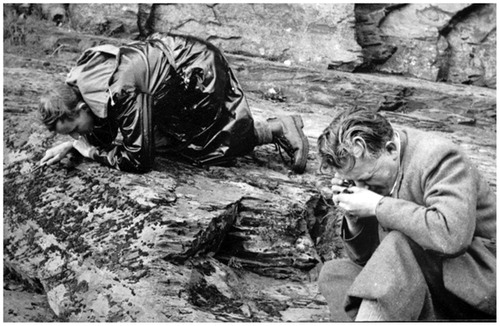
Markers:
(445, 42)
(448, 42)
(238, 243)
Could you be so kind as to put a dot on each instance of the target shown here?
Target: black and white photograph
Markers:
(298, 162)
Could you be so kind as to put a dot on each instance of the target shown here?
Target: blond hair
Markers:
(59, 103)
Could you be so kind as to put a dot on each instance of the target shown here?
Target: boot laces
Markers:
(282, 143)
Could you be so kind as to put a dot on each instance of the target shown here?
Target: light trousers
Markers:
(404, 280)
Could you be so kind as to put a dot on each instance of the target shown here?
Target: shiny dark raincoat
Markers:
(169, 94)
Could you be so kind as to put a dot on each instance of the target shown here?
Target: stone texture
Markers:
(184, 244)
(131, 253)
(316, 35)
(439, 42)
(448, 42)
(473, 48)
(103, 18)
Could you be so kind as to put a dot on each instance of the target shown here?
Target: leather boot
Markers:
(292, 140)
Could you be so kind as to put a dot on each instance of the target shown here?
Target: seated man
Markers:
(419, 225)
(172, 95)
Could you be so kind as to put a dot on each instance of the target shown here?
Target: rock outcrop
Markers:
(444, 42)
(108, 246)
(454, 43)
(181, 243)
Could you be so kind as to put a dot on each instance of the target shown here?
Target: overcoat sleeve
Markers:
(360, 247)
(444, 218)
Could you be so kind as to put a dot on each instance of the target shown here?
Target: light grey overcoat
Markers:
(443, 204)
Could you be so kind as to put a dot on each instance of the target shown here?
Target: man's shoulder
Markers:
(427, 146)
(427, 141)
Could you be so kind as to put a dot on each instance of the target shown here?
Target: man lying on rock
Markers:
(169, 95)
(419, 225)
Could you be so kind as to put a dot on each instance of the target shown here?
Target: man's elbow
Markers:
(452, 246)
(450, 237)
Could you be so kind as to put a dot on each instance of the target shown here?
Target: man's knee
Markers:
(397, 243)
(396, 238)
(334, 280)
(337, 272)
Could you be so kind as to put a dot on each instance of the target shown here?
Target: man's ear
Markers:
(359, 146)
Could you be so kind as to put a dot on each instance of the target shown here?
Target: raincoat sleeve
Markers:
(141, 69)
(102, 136)
(129, 154)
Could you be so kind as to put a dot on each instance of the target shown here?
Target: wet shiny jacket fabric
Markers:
(170, 94)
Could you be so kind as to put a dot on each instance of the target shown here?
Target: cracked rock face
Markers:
(454, 43)
(445, 42)
(317, 35)
(183, 244)
(104, 253)
(177, 244)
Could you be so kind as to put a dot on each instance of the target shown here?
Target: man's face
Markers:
(81, 124)
(377, 174)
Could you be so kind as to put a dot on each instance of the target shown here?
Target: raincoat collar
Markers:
(92, 75)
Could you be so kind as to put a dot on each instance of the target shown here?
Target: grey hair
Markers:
(336, 143)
